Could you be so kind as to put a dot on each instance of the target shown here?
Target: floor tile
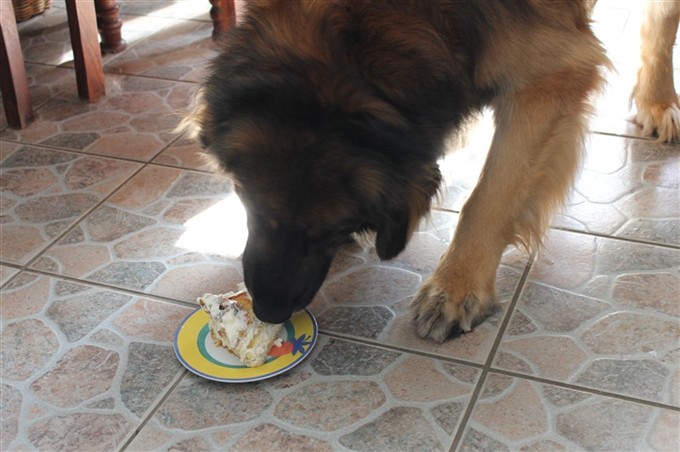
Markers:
(517, 414)
(597, 313)
(345, 395)
(366, 298)
(179, 51)
(161, 233)
(7, 148)
(627, 188)
(44, 83)
(78, 370)
(608, 309)
(6, 273)
(184, 153)
(45, 38)
(135, 120)
(45, 191)
(173, 9)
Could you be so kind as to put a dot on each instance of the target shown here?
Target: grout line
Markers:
(396, 348)
(582, 232)
(81, 218)
(112, 72)
(511, 308)
(492, 353)
(485, 368)
(74, 151)
(125, 290)
(99, 204)
(151, 161)
(180, 134)
(16, 267)
(155, 409)
(611, 237)
(152, 77)
(592, 391)
(625, 136)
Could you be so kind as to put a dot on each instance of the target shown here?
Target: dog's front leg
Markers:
(657, 104)
(533, 158)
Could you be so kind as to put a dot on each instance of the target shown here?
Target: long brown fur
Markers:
(658, 108)
(330, 116)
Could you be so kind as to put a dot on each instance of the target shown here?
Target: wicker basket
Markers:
(25, 9)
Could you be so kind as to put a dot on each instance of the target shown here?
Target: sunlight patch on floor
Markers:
(221, 229)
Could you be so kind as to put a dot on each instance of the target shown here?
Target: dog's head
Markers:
(315, 157)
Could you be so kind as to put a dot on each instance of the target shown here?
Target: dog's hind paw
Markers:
(439, 313)
(664, 119)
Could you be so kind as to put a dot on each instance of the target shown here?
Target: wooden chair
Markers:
(223, 15)
(84, 19)
(82, 24)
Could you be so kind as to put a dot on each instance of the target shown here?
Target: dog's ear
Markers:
(392, 235)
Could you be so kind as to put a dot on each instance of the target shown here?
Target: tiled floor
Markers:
(108, 226)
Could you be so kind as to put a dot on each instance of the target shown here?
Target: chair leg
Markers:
(15, 95)
(110, 23)
(223, 14)
(86, 53)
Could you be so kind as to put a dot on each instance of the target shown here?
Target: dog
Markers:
(330, 116)
(658, 110)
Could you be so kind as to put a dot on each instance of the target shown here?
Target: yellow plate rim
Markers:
(187, 349)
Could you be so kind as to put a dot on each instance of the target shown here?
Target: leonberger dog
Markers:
(330, 116)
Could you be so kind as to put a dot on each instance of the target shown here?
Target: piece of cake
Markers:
(233, 325)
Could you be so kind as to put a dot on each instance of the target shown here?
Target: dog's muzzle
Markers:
(283, 272)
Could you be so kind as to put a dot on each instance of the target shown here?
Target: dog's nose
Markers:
(276, 298)
(265, 313)
(282, 272)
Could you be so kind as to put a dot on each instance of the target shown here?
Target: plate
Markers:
(197, 352)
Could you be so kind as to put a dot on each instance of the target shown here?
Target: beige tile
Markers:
(422, 380)
(44, 82)
(86, 372)
(269, 436)
(596, 313)
(45, 191)
(6, 273)
(627, 188)
(135, 120)
(174, 9)
(366, 298)
(578, 321)
(138, 238)
(26, 295)
(516, 414)
(181, 50)
(343, 395)
(185, 153)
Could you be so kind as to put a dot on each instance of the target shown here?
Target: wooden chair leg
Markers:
(223, 14)
(86, 53)
(16, 98)
(110, 23)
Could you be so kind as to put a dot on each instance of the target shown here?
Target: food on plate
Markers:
(233, 325)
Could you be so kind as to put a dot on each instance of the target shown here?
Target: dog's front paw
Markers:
(442, 309)
(662, 118)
